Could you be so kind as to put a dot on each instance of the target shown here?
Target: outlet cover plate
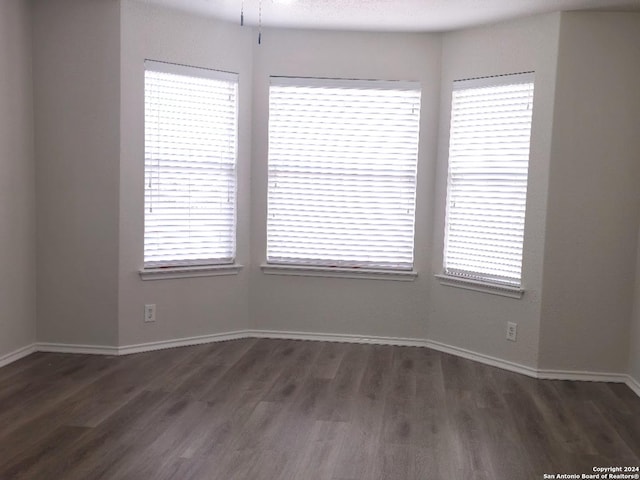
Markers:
(150, 313)
(512, 331)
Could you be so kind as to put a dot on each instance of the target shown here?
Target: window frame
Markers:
(476, 280)
(337, 268)
(177, 268)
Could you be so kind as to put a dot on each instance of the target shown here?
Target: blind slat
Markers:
(190, 165)
(342, 172)
(487, 182)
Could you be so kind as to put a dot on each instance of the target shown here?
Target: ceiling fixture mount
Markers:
(259, 19)
(259, 22)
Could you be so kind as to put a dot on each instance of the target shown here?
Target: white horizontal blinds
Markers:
(487, 184)
(342, 172)
(190, 165)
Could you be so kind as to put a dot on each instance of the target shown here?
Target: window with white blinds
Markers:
(487, 181)
(190, 165)
(342, 172)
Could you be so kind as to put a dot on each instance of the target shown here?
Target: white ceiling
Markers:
(385, 15)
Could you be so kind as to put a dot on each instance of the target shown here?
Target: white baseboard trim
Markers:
(399, 341)
(16, 355)
(543, 374)
(482, 358)
(182, 342)
(582, 376)
(633, 384)
(139, 348)
(337, 337)
(457, 351)
(74, 348)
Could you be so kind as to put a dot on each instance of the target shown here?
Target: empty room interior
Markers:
(342, 240)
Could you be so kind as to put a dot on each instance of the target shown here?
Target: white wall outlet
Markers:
(512, 331)
(150, 313)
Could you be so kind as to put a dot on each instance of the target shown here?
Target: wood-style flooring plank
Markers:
(287, 410)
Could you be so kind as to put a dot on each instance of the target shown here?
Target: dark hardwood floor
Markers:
(279, 409)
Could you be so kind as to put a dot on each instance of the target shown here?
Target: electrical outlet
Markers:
(512, 331)
(150, 313)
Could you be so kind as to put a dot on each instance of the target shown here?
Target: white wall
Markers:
(581, 226)
(193, 306)
(17, 179)
(77, 98)
(464, 318)
(330, 305)
(594, 199)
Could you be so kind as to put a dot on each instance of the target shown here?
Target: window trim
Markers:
(339, 268)
(171, 272)
(475, 280)
(494, 81)
(181, 69)
(190, 268)
(338, 272)
(480, 286)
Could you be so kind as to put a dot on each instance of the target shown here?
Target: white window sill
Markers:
(165, 273)
(478, 286)
(340, 272)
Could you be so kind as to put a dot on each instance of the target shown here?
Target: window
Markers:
(342, 172)
(487, 181)
(190, 166)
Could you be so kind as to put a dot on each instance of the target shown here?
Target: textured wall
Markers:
(17, 179)
(192, 306)
(472, 320)
(594, 199)
(330, 305)
(77, 98)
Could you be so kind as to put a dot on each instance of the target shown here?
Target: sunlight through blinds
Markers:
(487, 181)
(342, 172)
(190, 165)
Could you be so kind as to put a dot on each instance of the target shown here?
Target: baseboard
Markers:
(75, 348)
(399, 341)
(633, 384)
(482, 358)
(545, 374)
(22, 352)
(582, 376)
(140, 347)
(181, 342)
(457, 351)
(337, 337)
